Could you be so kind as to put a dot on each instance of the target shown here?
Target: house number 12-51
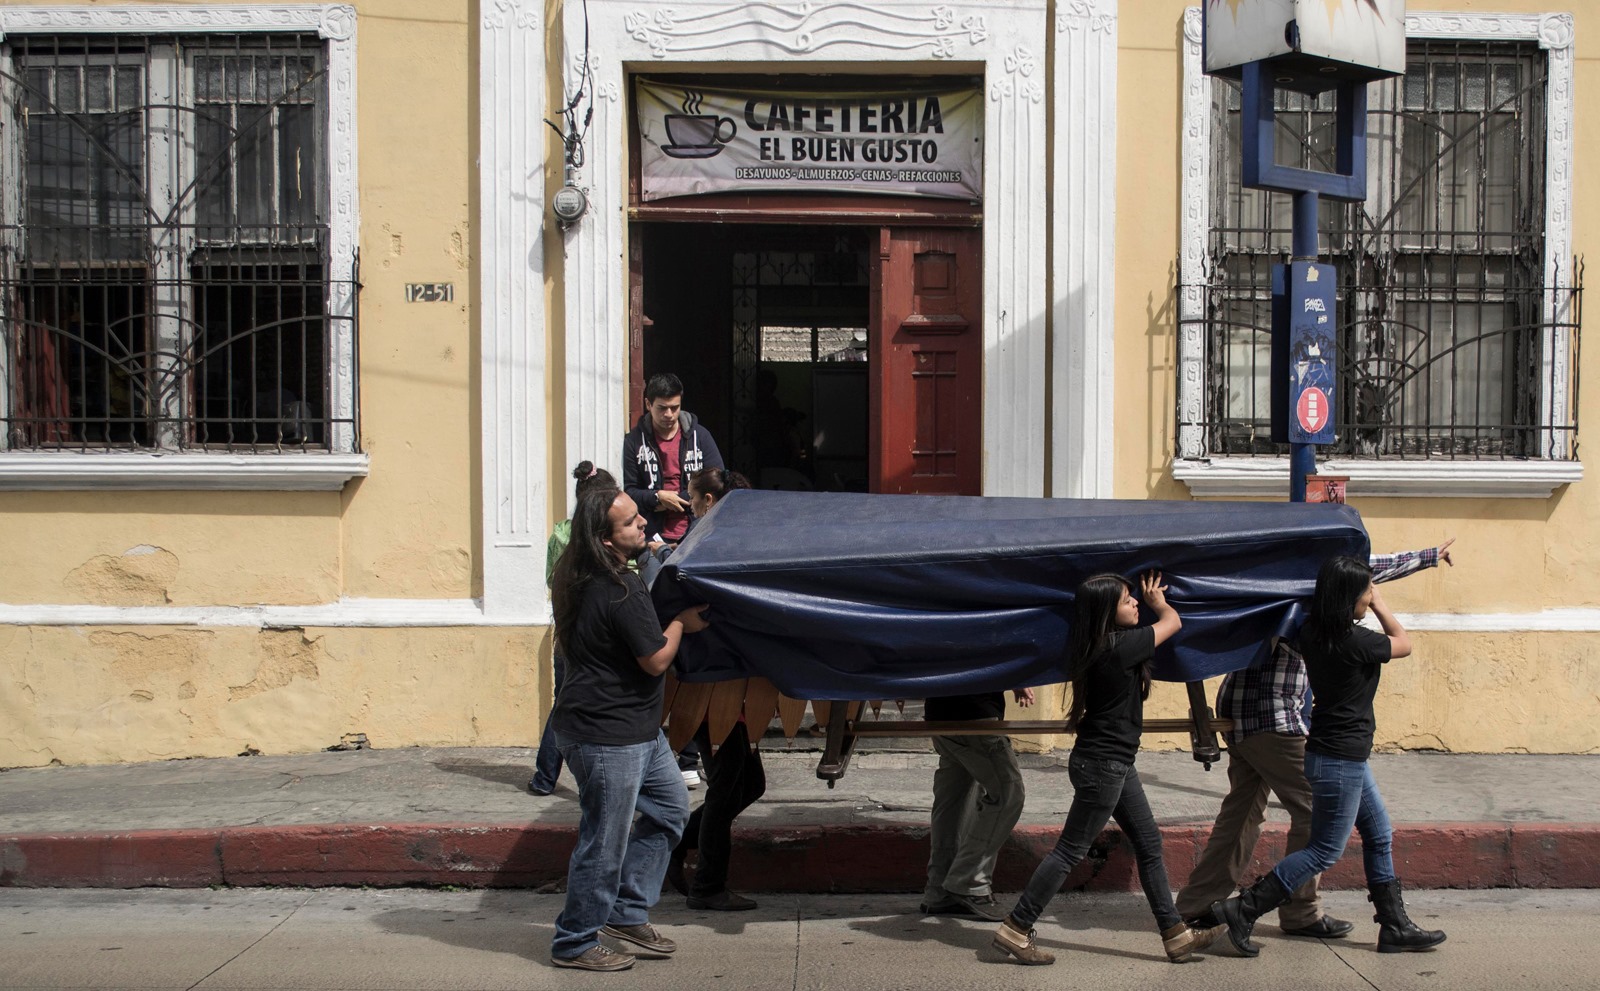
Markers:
(430, 292)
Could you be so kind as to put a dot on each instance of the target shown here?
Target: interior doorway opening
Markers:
(768, 326)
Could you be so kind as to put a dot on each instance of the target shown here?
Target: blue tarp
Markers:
(847, 596)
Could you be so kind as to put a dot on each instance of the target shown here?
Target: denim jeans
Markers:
(735, 778)
(616, 869)
(1343, 794)
(547, 763)
(1103, 789)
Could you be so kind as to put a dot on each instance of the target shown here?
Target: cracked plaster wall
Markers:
(111, 695)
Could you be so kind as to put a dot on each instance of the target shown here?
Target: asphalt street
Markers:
(408, 939)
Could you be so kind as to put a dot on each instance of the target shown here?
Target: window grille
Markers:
(1446, 326)
(164, 244)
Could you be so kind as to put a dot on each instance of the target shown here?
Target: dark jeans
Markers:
(547, 763)
(1103, 789)
(734, 780)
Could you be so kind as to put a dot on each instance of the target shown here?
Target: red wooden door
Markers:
(927, 361)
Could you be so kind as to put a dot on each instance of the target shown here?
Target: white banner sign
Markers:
(922, 141)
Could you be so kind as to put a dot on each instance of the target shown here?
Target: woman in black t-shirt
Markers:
(1343, 663)
(1108, 659)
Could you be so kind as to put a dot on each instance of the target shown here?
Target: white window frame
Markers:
(335, 24)
(1208, 475)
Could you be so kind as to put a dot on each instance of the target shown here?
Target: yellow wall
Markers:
(1467, 691)
(110, 694)
(410, 529)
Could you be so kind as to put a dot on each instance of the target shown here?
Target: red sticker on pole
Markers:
(1312, 410)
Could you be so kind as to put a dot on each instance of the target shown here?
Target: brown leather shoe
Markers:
(1012, 940)
(596, 957)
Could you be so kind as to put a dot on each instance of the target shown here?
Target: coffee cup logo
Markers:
(694, 134)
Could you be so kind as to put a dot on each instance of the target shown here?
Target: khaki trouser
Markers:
(977, 798)
(1259, 763)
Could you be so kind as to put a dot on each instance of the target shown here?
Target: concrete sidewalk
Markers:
(463, 817)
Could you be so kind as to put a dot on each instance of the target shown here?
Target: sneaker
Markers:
(535, 788)
(643, 936)
(983, 906)
(1013, 941)
(722, 901)
(691, 778)
(596, 957)
(1181, 941)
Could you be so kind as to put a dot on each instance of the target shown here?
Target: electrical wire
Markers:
(573, 135)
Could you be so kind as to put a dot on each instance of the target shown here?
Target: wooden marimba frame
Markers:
(686, 705)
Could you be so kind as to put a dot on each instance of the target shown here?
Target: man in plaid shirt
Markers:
(1266, 752)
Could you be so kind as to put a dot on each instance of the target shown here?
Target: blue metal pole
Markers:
(1303, 457)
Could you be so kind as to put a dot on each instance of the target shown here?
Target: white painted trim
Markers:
(1083, 249)
(335, 24)
(347, 613)
(442, 613)
(1532, 479)
(1233, 477)
(295, 472)
(1006, 37)
(1193, 230)
(511, 332)
(1576, 620)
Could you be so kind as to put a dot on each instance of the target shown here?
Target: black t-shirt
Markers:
(1343, 683)
(607, 697)
(988, 705)
(1113, 713)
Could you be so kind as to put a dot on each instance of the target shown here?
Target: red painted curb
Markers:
(168, 858)
(821, 859)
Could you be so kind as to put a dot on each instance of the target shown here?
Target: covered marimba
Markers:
(845, 598)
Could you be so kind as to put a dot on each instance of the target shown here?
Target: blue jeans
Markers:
(1343, 794)
(616, 869)
(1102, 789)
(547, 763)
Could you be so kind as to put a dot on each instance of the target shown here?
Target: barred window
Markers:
(164, 244)
(1447, 326)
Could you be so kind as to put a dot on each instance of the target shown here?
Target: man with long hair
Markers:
(608, 726)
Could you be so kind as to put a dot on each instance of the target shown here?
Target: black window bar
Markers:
(164, 258)
(1447, 328)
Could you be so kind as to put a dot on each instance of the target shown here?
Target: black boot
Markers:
(1398, 933)
(1240, 914)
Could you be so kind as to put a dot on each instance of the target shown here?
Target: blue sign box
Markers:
(1304, 349)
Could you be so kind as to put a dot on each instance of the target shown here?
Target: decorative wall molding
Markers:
(1554, 32)
(180, 472)
(336, 25)
(511, 216)
(1083, 250)
(1234, 477)
(1193, 232)
(1005, 38)
(804, 29)
(334, 22)
(346, 613)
